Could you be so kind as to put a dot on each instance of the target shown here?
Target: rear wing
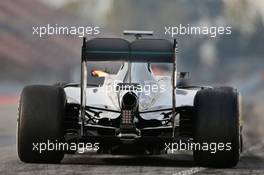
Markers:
(117, 49)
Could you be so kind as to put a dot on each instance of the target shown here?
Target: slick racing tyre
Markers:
(216, 127)
(41, 111)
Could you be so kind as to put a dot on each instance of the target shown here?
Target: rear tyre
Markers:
(41, 111)
(216, 123)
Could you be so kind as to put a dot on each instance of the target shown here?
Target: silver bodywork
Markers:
(108, 98)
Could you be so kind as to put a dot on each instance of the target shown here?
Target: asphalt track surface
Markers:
(252, 160)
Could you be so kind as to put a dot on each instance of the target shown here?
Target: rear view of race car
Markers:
(133, 112)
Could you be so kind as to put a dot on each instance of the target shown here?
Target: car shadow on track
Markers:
(128, 160)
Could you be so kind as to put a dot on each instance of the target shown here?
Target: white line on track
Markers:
(190, 171)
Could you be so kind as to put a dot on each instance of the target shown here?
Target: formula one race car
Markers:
(133, 112)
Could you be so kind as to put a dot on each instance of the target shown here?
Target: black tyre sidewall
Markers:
(217, 121)
(41, 111)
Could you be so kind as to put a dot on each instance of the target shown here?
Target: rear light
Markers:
(127, 117)
(127, 125)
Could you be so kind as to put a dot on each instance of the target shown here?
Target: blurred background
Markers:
(229, 60)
